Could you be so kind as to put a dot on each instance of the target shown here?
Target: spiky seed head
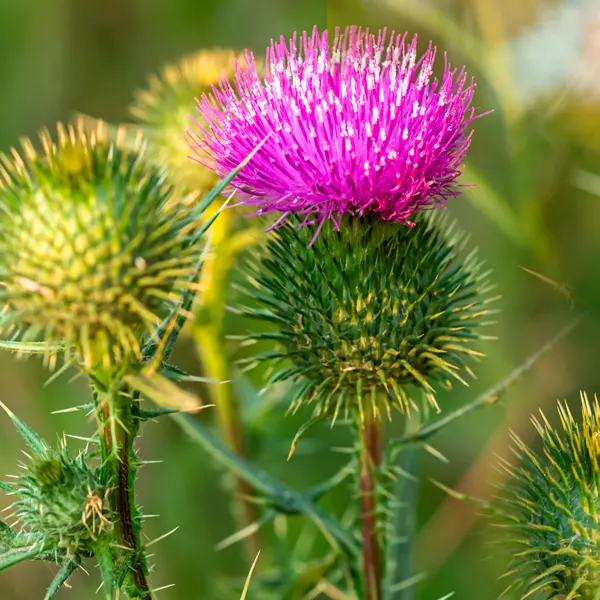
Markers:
(164, 106)
(62, 503)
(369, 309)
(93, 249)
(551, 508)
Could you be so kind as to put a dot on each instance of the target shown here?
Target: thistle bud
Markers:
(62, 503)
(93, 251)
(368, 309)
(551, 508)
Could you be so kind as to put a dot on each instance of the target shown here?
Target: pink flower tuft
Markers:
(358, 126)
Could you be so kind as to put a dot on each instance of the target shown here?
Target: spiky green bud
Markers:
(93, 248)
(62, 504)
(164, 109)
(367, 310)
(551, 508)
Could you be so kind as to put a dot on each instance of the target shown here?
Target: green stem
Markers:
(406, 516)
(118, 414)
(212, 351)
(370, 447)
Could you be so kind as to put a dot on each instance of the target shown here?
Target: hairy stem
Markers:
(120, 426)
(209, 340)
(370, 460)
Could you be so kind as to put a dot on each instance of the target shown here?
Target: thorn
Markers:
(162, 537)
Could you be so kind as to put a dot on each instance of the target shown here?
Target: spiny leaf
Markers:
(32, 439)
(490, 396)
(61, 578)
(164, 392)
(15, 556)
(279, 496)
(561, 288)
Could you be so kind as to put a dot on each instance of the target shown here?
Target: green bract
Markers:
(551, 507)
(368, 310)
(93, 248)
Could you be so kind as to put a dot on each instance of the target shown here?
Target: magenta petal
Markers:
(358, 125)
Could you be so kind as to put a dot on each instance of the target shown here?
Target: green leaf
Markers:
(32, 439)
(14, 556)
(280, 497)
(66, 570)
(164, 392)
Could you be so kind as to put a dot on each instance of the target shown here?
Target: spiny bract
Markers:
(93, 250)
(551, 507)
(61, 503)
(368, 309)
(163, 108)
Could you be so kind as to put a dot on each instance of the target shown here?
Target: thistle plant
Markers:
(549, 508)
(369, 299)
(99, 267)
(347, 150)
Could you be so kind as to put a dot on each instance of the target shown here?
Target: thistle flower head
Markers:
(93, 251)
(163, 108)
(551, 507)
(355, 125)
(369, 309)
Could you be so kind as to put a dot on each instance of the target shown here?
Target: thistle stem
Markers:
(370, 460)
(120, 427)
(209, 341)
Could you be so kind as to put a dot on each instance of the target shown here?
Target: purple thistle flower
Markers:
(358, 126)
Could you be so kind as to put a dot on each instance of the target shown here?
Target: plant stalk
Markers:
(211, 348)
(120, 428)
(210, 343)
(370, 460)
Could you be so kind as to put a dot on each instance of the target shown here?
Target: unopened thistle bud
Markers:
(551, 508)
(368, 310)
(367, 295)
(163, 108)
(93, 251)
(62, 503)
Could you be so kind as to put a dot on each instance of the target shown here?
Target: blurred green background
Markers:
(536, 161)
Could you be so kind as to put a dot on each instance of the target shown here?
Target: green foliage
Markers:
(551, 508)
(367, 310)
(94, 249)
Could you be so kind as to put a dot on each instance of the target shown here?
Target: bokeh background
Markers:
(536, 160)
